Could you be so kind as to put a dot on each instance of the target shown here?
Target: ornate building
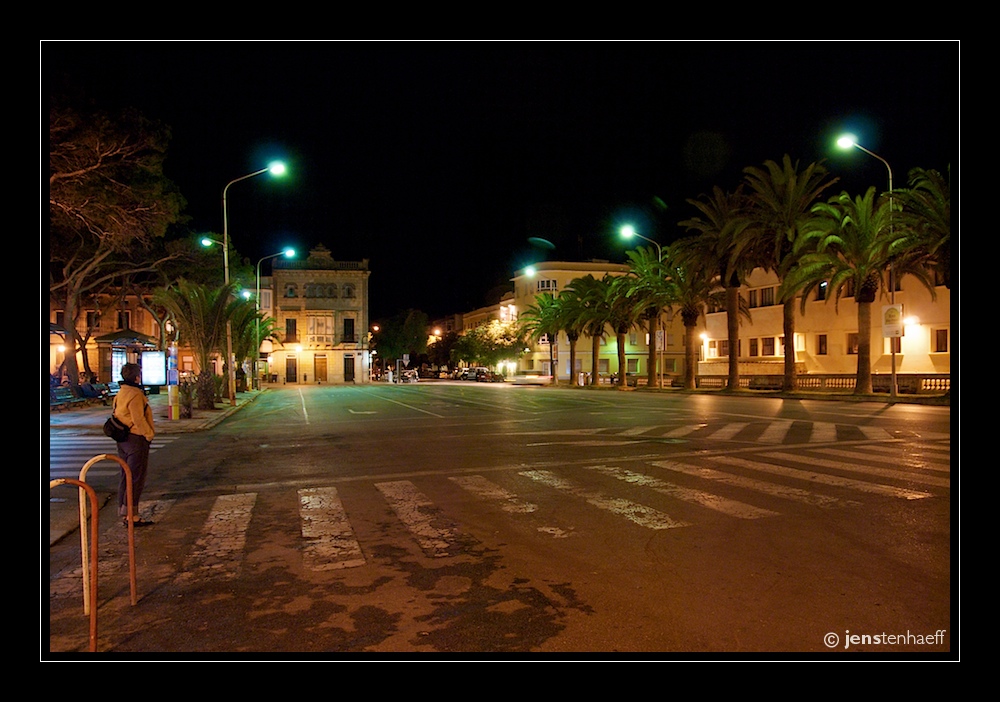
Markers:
(321, 309)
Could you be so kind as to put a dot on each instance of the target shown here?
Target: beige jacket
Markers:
(132, 408)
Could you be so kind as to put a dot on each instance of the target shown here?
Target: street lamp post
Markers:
(845, 142)
(288, 253)
(627, 232)
(274, 169)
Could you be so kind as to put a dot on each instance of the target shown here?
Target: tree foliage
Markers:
(109, 204)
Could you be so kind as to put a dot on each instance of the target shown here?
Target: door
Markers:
(291, 370)
(348, 368)
(321, 369)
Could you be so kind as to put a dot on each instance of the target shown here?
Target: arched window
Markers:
(291, 290)
(348, 290)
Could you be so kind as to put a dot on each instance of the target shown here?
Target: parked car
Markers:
(409, 376)
(532, 377)
(488, 376)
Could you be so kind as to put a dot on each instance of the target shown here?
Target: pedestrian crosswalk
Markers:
(776, 431)
(677, 494)
(69, 453)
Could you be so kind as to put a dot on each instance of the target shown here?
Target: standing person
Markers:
(131, 407)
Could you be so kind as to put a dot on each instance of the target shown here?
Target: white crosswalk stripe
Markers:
(742, 487)
(68, 455)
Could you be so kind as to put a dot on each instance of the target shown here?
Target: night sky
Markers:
(438, 161)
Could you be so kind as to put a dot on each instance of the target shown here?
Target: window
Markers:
(895, 344)
(852, 344)
(766, 297)
(319, 329)
(821, 349)
(93, 319)
(349, 336)
(754, 351)
(723, 347)
(940, 340)
(124, 319)
(348, 291)
(291, 335)
(291, 290)
(767, 346)
(547, 286)
(821, 290)
(753, 300)
(632, 365)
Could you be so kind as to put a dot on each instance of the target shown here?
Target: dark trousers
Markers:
(135, 452)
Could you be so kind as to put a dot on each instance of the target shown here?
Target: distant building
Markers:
(321, 309)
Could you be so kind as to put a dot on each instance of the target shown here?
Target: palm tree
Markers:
(543, 319)
(926, 213)
(623, 315)
(569, 308)
(694, 289)
(653, 293)
(780, 202)
(722, 222)
(849, 244)
(593, 313)
(200, 314)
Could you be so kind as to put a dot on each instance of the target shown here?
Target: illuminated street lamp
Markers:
(846, 142)
(277, 169)
(627, 232)
(288, 253)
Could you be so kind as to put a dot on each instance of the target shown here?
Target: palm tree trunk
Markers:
(863, 383)
(690, 357)
(791, 380)
(733, 325)
(654, 324)
(622, 364)
(595, 354)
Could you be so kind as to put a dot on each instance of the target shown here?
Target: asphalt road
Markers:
(463, 520)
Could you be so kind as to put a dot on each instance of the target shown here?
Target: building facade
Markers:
(826, 334)
(320, 306)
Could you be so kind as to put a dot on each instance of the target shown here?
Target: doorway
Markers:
(348, 368)
(291, 370)
(320, 369)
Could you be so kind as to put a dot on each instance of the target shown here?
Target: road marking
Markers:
(773, 489)
(863, 469)
(487, 490)
(640, 514)
(418, 514)
(875, 433)
(775, 432)
(698, 497)
(729, 431)
(218, 552)
(823, 432)
(330, 540)
(820, 478)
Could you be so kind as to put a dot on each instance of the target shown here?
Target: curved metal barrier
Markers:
(89, 555)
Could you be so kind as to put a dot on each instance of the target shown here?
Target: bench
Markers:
(64, 398)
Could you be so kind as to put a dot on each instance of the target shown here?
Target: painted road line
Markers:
(218, 552)
(491, 492)
(863, 469)
(775, 432)
(785, 492)
(718, 503)
(640, 514)
(823, 479)
(418, 515)
(728, 431)
(823, 432)
(330, 541)
(875, 433)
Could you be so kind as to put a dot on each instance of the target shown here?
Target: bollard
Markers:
(92, 604)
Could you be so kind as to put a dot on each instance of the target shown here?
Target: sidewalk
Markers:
(64, 509)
